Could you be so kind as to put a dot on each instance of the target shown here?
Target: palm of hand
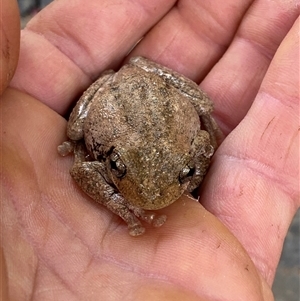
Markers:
(59, 244)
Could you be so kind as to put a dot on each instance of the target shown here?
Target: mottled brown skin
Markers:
(139, 142)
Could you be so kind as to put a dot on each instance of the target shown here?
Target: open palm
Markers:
(60, 245)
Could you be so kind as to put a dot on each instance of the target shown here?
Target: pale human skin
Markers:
(58, 245)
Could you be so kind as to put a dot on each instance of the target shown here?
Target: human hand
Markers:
(58, 244)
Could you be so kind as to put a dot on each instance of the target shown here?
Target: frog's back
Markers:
(141, 106)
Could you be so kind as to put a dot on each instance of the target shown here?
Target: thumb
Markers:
(9, 41)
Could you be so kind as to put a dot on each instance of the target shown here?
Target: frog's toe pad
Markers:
(136, 230)
(152, 218)
(159, 220)
(65, 148)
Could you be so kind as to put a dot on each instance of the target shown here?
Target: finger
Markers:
(193, 36)
(9, 41)
(224, 36)
(67, 44)
(234, 81)
(257, 168)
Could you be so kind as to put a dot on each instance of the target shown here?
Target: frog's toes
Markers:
(209, 151)
(159, 220)
(136, 230)
(152, 218)
(65, 148)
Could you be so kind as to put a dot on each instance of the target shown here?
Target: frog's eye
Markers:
(118, 168)
(186, 174)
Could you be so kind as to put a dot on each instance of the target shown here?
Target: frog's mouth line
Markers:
(150, 198)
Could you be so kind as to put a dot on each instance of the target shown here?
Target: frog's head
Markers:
(149, 178)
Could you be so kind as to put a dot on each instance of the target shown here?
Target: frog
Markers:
(141, 137)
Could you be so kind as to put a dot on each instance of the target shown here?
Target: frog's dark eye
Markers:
(118, 168)
(186, 174)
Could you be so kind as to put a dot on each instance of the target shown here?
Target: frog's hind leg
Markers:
(80, 111)
(209, 124)
(184, 85)
(187, 88)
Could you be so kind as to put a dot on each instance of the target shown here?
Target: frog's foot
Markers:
(149, 217)
(136, 230)
(152, 218)
(66, 148)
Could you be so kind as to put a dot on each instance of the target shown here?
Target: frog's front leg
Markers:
(203, 151)
(93, 180)
(81, 109)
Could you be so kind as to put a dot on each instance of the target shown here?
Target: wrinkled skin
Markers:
(57, 245)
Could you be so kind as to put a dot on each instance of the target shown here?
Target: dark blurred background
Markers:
(287, 281)
(29, 6)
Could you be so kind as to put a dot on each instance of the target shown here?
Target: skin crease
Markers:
(59, 245)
